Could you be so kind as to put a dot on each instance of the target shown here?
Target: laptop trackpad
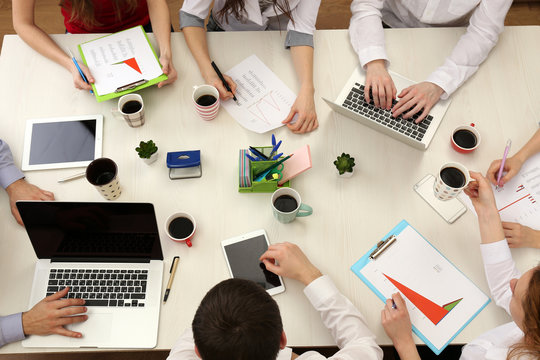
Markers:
(96, 330)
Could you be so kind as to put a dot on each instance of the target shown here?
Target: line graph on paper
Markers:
(270, 103)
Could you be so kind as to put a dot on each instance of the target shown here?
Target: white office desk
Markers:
(350, 215)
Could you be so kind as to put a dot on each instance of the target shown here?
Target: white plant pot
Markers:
(346, 174)
(151, 159)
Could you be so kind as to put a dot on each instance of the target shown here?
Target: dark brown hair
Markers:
(238, 7)
(237, 319)
(530, 346)
(83, 10)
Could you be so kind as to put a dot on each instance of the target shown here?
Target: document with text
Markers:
(264, 101)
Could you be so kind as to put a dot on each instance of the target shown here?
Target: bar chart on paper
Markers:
(519, 199)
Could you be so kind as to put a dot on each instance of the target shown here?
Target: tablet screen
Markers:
(62, 142)
(244, 261)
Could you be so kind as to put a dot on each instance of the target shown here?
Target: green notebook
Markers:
(121, 63)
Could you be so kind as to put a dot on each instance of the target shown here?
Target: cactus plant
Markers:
(146, 149)
(344, 163)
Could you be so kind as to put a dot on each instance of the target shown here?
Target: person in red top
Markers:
(97, 16)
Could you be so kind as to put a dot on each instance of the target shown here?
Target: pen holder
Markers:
(264, 185)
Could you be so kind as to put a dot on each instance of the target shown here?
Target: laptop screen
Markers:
(91, 230)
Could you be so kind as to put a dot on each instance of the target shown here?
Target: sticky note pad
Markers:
(300, 162)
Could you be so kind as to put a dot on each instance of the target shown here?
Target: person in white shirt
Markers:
(298, 17)
(238, 319)
(516, 234)
(518, 294)
(484, 20)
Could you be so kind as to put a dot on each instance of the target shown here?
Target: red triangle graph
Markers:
(132, 63)
(434, 312)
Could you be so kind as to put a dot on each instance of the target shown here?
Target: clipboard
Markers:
(125, 57)
(441, 300)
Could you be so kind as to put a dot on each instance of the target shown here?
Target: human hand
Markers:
(168, 69)
(519, 235)
(214, 80)
(413, 99)
(23, 190)
(288, 260)
(480, 193)
(381, 84)
(51, 314)
(397, 325)
(512, 165)
(78, 81)
(304, 107)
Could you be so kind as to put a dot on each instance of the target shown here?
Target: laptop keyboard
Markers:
(110, 287)
(355, 102)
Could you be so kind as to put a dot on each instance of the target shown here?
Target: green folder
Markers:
(116, 94)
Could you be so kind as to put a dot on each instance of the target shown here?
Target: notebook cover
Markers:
(300, 162)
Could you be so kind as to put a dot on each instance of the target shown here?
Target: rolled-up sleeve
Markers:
(366, 31)
(300, 31)
(486, 23)
(11, 329)
(9, 173)
(193, 13)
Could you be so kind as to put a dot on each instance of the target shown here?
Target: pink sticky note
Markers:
(300, 162)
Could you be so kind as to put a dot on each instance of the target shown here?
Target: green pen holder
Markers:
(264, 186)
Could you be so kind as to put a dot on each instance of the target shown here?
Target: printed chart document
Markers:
(264, 101)
(519, 200)
(120, 59)
(440, 299)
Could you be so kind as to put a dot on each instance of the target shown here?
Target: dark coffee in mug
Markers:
(285, 203)
(104, 178)
(131, 107)
(181, 227)
(206, 100)
(453, 177)
(465, 138)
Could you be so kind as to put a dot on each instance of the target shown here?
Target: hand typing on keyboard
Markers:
(417, 98)
(379, 84)
(51, 314)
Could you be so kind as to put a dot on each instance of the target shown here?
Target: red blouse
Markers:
(105, 14)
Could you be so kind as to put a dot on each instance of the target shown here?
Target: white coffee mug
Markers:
(131, 109)
(207, 110)
(451, 179)
(286, 216)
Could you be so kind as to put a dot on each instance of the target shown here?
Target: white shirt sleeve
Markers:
(500, 269)
(366, 31)
(184, 348)
(345, 322)
(305, 16)
(485, 25)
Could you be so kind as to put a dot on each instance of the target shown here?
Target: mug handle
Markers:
(188, 243)
(304, 210)
(117, 113)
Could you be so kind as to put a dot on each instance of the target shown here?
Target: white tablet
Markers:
(242, 254)
(65, 142)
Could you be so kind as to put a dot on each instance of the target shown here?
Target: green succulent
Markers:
(146, 149)
(344, 163)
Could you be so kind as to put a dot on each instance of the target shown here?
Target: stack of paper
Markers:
(244, 169)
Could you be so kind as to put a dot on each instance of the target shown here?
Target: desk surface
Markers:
(350, 215)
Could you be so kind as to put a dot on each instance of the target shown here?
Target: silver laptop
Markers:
(350, 102)
(108, 254)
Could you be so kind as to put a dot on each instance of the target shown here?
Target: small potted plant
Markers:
(147, 151)
(344, 165)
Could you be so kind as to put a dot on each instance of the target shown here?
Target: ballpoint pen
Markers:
(258, 153)
(506, 150)
(277, 156)
(79, 68)
(223, 81)
(72, 177)
(174, 265)
(275, 148)
(251, 157)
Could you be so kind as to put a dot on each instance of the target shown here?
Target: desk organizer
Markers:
(264, 185)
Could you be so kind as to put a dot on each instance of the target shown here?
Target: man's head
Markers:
(237, 319)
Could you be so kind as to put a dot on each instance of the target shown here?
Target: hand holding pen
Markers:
(225, 85)
(510, 165)
(79, 74)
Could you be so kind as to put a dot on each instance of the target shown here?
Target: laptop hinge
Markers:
(100, 260)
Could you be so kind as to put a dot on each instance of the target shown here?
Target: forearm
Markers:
(491, 229)
(303, 63)
(530, 148)
(196, 41)
(407, 350)
(161, 25)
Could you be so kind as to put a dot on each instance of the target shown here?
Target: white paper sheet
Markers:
(264, 101)
(519, 199)
(415, 264)
(120, 59)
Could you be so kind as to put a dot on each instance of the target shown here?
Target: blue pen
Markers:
(275, 148)
(251, 157)
(277, 156)
(273, 140)
(79, 68)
